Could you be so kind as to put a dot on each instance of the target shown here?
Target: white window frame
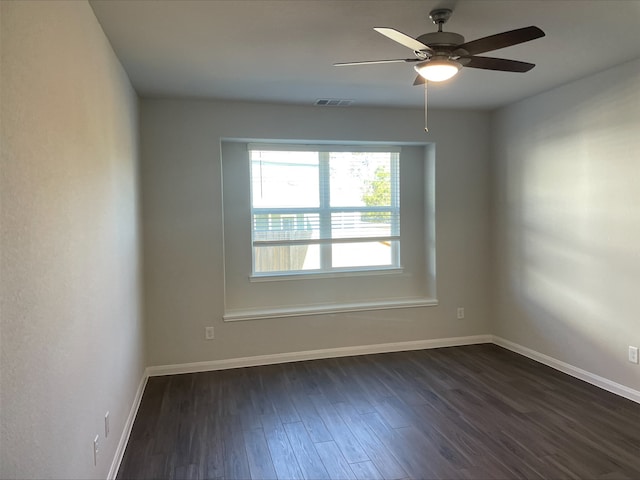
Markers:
(324, 210)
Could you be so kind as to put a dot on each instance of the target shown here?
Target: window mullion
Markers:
(395, 204)
(325, 210)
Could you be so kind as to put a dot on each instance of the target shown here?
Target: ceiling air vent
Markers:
(332, 102)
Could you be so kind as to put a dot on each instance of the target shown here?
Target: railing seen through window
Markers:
(319, 209)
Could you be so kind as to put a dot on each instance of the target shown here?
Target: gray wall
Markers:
(567, 233)
(182, 227)
(72, 336)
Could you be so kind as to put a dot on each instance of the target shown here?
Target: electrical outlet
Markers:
(95, 449)
(633, 354)
(106, 425)
(460, 313)
(208, 333)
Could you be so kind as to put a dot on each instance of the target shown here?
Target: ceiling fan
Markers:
(442, 54)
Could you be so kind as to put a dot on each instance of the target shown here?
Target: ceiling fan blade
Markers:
(403, 39)
(501, 40)
(420, 80)
(373, 62)
(502, 64)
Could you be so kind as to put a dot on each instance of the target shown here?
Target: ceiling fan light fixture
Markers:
(438, 69)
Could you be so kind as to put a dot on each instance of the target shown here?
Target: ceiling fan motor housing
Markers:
(441, 39)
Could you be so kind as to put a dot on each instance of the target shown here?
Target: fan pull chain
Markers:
(426, 129)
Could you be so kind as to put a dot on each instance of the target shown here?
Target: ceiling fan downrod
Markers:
(440, 16)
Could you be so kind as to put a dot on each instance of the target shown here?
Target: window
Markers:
(320, 228)
(319, 209)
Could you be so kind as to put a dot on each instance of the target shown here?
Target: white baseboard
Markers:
(124, 438)
(592, 378)
(315, 355)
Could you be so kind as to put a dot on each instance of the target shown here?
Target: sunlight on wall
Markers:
(569, 223)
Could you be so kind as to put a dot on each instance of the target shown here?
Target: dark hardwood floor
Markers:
(478, 412)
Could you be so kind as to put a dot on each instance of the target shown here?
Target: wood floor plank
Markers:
(281, 399)
(411, 458)
(260, 463)
(344, 375)
(333, 460)
(310, 418)
(366, 471)
(212, 445)
(476, 412)
(367, 379)
(187, 472)
(347, 443)
(282, 454)
(236, 464)
(398, 376)
(429, 459)
(257, 387)
(448, 429)
(380, 455)
(249, 414)
(394, 411)
(305, 452)
(328, 375)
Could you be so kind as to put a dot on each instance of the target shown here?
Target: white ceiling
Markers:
(283, 50)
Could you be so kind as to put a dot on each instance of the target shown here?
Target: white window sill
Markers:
(300, 311)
